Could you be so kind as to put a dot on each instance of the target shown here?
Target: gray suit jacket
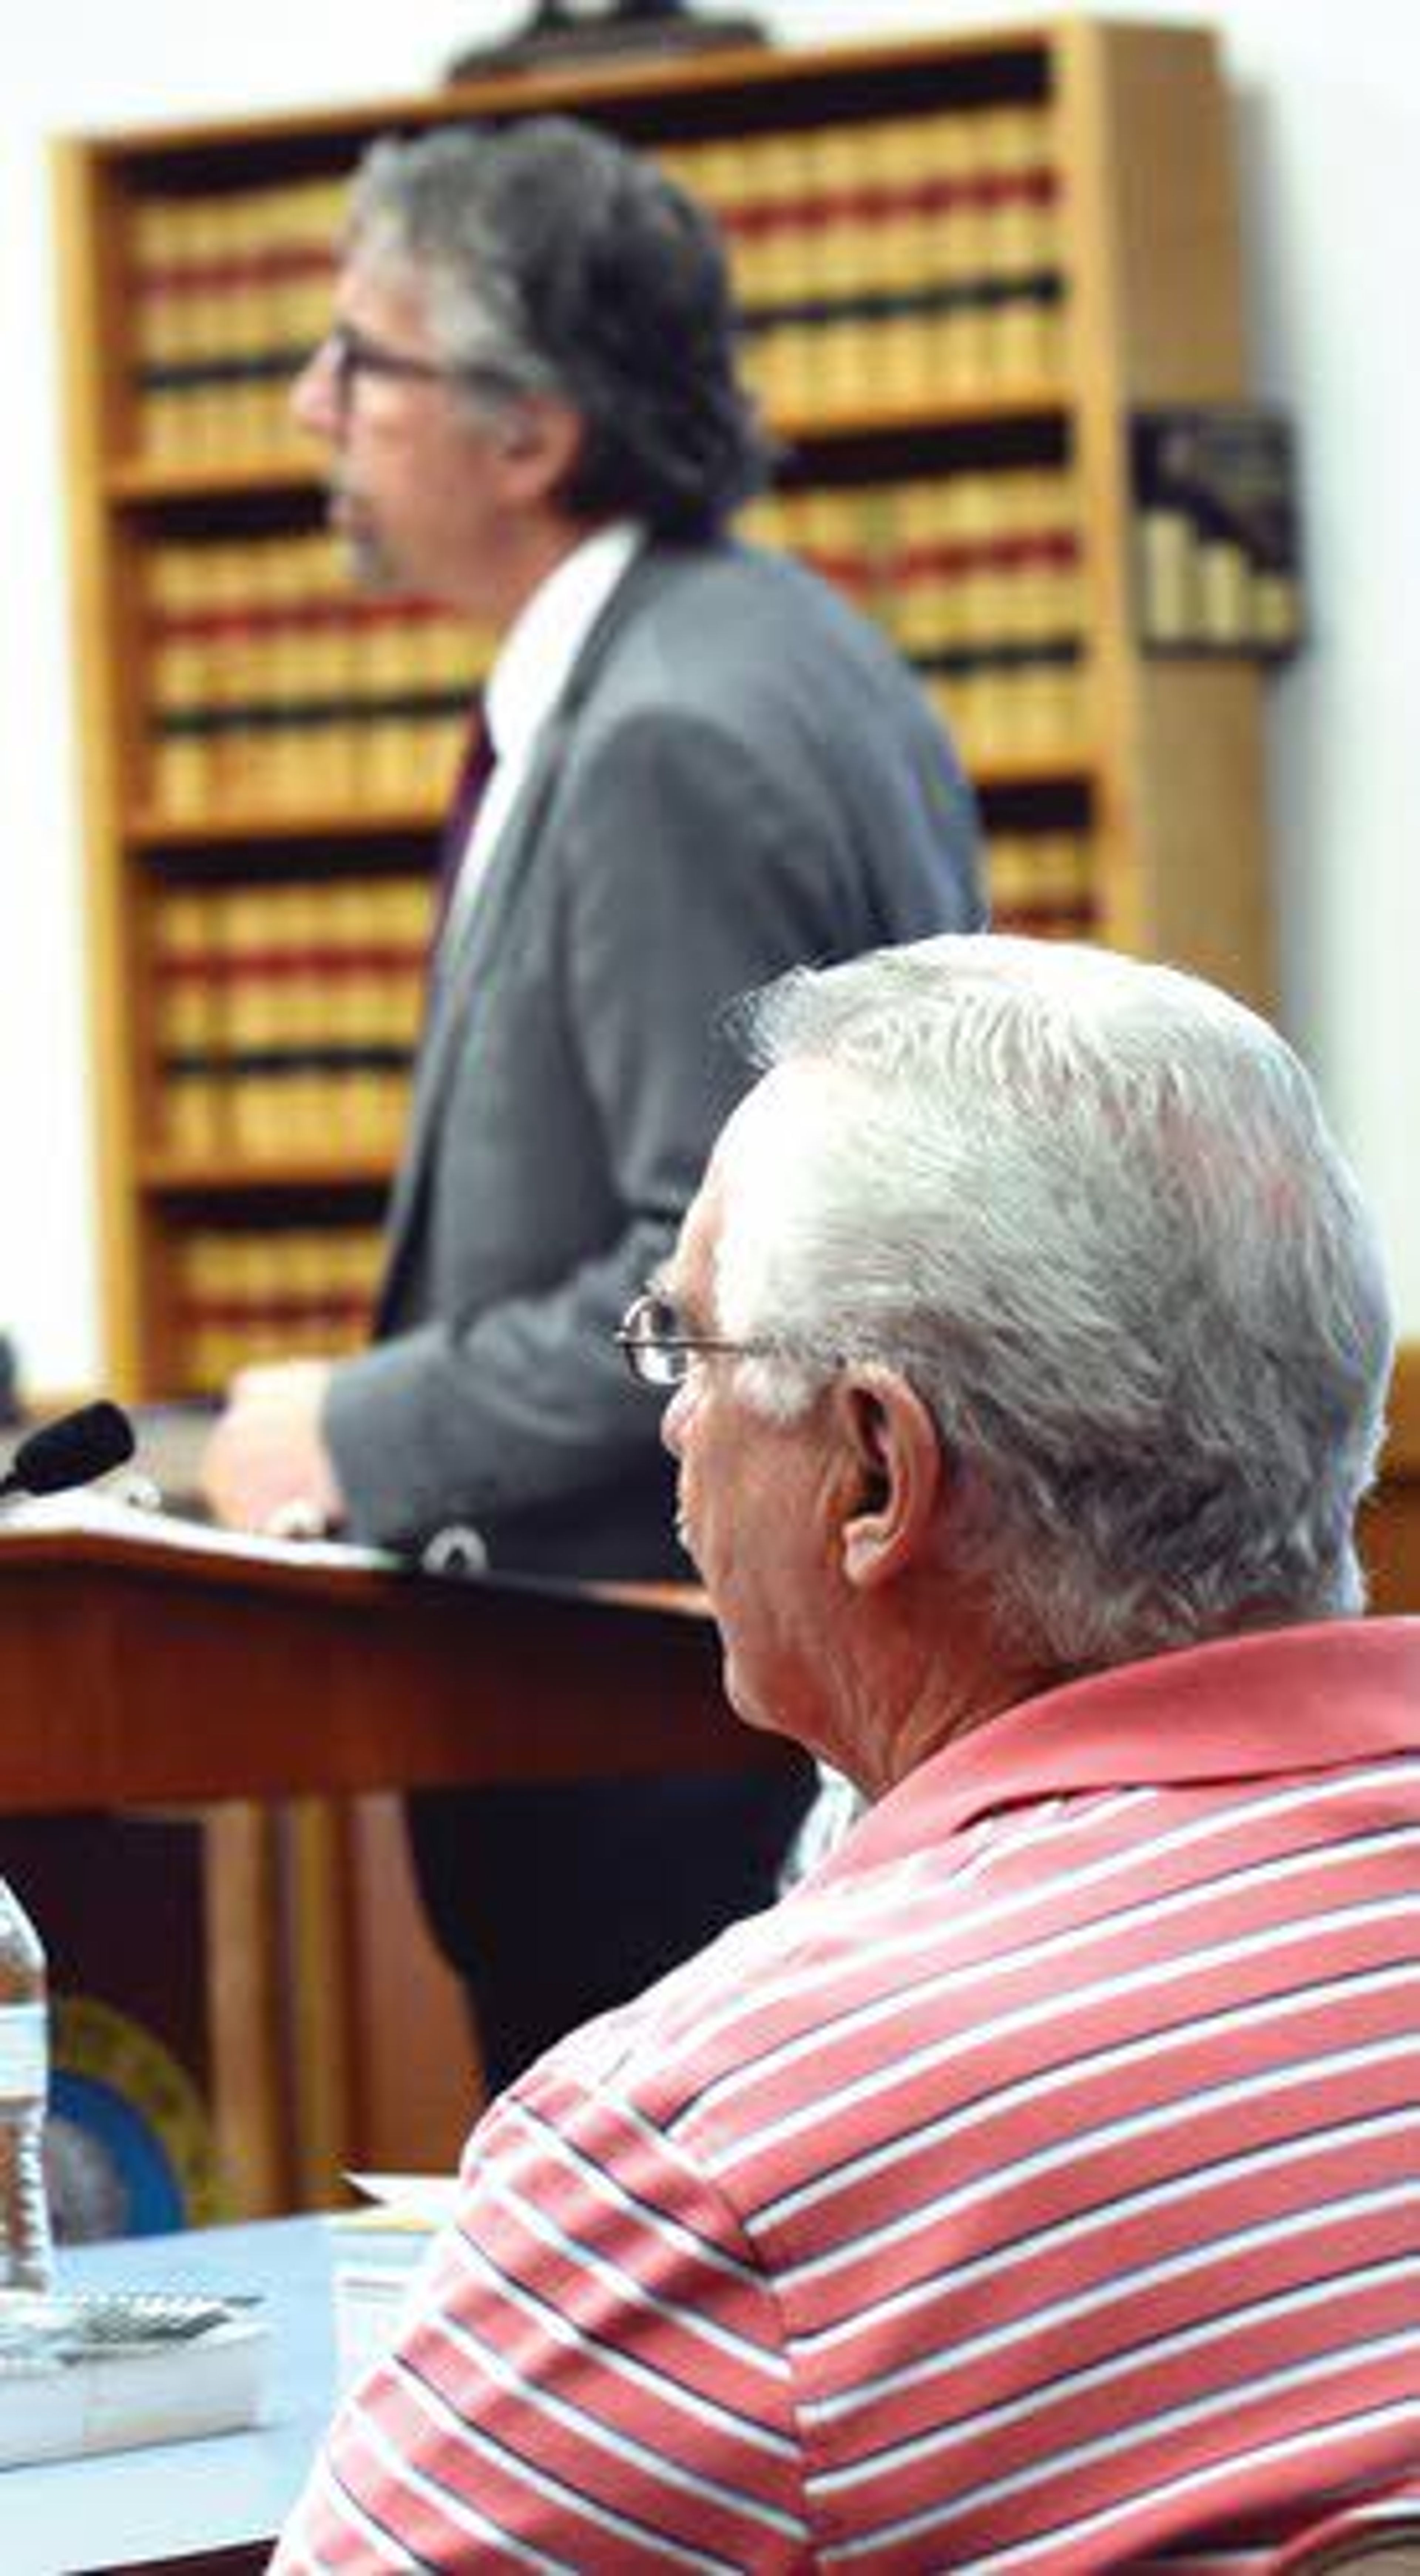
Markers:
(740, 776)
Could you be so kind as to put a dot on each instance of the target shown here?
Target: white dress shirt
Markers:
(538, 655)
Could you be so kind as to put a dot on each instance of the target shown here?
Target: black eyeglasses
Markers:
(353, 354)
(656, 1347)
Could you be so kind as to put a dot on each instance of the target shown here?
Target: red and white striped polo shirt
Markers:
(1037, 2188)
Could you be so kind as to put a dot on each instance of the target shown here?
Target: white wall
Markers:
(1329, 108)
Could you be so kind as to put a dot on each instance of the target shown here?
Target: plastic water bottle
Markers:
(26, 2252)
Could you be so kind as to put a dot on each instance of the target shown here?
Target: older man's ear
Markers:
(898, 1473)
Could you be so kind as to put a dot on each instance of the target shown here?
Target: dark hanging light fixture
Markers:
(562, 31)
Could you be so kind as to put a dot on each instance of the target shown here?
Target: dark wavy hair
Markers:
(558, 260)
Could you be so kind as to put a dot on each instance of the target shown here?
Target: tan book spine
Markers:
(299, 1308)
(189, 1025)
(305, 1014)
(286, 739)
(315, 224)
(205, 262)
(178, 664)
(969, 583)
(330, 661)
(958, 260)
(245, 320)
(774, 215)
(201, 1355)
(222, 573)
(382, 672)
(899, 169)
(1021, 243)
(159, 318)
(216, 1290)
(256, 1030)
(356, 1094)
(356, 1257)
(844, 362)
(1008, 881)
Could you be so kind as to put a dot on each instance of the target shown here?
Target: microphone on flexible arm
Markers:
(71, 1451)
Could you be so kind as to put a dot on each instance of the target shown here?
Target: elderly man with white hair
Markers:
(1035, 2186)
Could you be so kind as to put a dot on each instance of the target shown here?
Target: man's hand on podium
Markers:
(266, 1466)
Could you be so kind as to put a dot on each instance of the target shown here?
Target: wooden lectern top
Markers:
(145, 1659)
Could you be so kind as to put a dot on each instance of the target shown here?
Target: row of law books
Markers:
(979, 581)
(882, 259)
(892, 259)
(228, 294)
(274, 686)
(274, 689)
(286, 1016)
(245, 1294)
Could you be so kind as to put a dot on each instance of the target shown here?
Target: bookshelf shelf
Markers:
(167, 1176)
(918, 418)
(215, 836)
(1075, 774)
(960, 261)
(143, 482)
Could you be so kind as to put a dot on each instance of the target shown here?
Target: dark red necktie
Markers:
(476, 767)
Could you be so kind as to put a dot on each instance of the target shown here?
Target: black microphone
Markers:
(71, 1451)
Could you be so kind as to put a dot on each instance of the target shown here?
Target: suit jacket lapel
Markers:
(476, 941)
(468, 956)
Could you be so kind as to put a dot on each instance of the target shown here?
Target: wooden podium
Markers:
(146, 1662)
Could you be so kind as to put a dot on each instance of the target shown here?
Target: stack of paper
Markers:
(378, 2251)
(106, 2371)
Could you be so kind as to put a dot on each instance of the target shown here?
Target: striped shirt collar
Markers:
(1278, 1700)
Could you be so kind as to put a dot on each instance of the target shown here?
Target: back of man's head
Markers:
(559, 261)
(1092, 1210)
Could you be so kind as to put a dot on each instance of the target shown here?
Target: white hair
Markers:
(1091, 1209)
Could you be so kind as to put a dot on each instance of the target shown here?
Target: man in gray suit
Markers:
(705, 768)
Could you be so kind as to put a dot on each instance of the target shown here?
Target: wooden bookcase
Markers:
(963, 263)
